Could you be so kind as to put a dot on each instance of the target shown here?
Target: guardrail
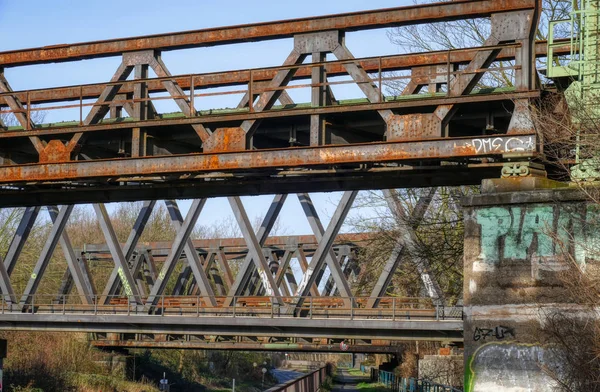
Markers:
(310, 382)
(251, 80)
(389, 308)
(400, 384)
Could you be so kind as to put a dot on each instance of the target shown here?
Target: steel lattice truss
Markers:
(143, 288)
(435, 133)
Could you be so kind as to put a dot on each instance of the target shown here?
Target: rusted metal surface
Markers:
(425, 13)
(291, 181)
(226, 139)
(413, 126)
(238, 245)
(269, 141)
(241, 77)
(272, 159)
(418, 102)
(56, 151)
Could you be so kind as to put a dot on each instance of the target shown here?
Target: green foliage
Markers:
(356, 372)
(369, 387)
(98, 382)
(327, 384)
(24, 389)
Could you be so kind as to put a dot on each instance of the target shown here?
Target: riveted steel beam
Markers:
(116, 251)
(330, 258)
(355, 154)
(192, 256)
(179, 244)
(47, 251)
(8, 293)
(176, 92)
(424, 13)
(320, 255)
(20, 238)
(80, 276)
(245, 272)
(254, 248)
(409, 239)
(114, 283)
(22, 115)
(262, 75)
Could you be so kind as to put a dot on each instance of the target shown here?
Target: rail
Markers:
(355, 308)
(400, 384)
(310, 382)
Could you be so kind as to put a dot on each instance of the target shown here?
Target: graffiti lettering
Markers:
(491, 145)
(536, 232)
(499, 333)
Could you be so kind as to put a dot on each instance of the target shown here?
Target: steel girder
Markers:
(199, 342)
(426, 13)
(182, 165)
(226, 142)
(242, 77)
(400, 329)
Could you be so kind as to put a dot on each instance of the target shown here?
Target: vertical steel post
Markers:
(28, 111)
(251, 92)
(81, 105)
(192, 105)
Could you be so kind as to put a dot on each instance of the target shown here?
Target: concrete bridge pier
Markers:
(518, 245)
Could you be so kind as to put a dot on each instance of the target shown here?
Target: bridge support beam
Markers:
(519, 246)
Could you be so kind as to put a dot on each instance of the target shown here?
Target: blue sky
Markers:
(35, 23)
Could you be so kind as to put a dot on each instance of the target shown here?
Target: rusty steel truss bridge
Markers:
(441, 129)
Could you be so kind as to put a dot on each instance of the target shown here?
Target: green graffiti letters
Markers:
(518, 233)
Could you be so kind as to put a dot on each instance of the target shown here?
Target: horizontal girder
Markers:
(331, 180)
(425, 13)
(242, 77)
(325, 156)
(240, 326)
(192, 344)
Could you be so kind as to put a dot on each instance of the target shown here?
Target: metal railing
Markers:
(378, 78)
(355, 308)
(400, 384)
(310, 382)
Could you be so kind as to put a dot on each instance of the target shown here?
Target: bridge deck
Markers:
(320, 317)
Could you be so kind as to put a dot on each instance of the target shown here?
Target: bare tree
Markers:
(438, 241)
(469, 33)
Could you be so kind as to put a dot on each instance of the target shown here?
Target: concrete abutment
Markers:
(518, 247)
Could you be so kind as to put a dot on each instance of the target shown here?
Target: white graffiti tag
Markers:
(502, 145)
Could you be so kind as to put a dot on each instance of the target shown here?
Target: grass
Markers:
(368, 387)
(95, 382)
(356, 372)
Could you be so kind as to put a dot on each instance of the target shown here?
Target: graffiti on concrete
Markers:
(536, 232)
(499, 332)
(509, 367)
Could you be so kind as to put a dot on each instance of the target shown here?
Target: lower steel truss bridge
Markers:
(257, 292)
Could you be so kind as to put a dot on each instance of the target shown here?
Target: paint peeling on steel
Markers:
(424, 13)
(272, 159)
(241, 77)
